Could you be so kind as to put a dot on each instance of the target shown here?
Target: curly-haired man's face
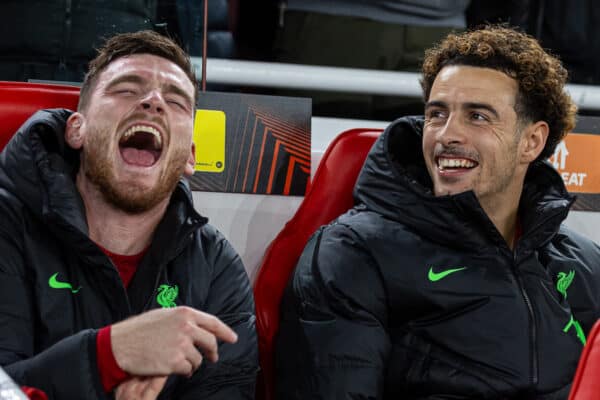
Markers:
(471, 137)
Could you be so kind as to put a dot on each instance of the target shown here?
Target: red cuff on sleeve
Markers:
(110, 372)
(33, 393)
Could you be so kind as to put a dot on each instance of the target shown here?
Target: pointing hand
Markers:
(168, 341)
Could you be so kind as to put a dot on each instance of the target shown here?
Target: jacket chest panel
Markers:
(455, 310)
(182, 281)
(67, 302)
(68, 292)
(425, 279)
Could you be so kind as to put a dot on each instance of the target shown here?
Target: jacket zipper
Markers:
(532, 330)
(532, 326)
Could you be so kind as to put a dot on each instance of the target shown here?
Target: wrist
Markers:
(111, 373)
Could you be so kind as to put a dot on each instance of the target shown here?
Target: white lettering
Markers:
(573, 178)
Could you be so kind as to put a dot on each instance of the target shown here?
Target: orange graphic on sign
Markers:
(574, 158)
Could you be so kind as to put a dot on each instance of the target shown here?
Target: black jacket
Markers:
(411, 296)
(48, 336)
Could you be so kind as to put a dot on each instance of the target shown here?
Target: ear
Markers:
(533, 141)
(191, 162)
(74, 132)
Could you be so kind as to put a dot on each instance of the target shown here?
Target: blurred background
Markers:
(379, 43)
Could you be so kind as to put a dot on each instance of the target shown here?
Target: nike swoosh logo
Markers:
(436, 276)
(56, 284)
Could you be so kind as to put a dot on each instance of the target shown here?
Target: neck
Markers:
(503, 212)
(115, 230)
(506, 223)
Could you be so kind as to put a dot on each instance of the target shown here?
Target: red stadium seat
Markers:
(586, 385)
(19, 100)
(329, 196)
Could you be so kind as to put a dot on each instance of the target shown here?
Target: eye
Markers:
(479, 117)
(126, 90)
(435, 115)
(177, 103)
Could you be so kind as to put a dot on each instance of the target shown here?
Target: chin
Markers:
(448, 191)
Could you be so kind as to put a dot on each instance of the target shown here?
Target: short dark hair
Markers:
(540, 76)
(126, 44)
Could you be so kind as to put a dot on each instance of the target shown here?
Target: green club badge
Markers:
(166, 295)
(564, 281)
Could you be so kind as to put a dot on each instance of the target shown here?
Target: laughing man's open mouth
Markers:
(141, 145)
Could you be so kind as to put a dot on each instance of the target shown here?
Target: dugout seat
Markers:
(19, 100)
(330, 195)
(586, 385)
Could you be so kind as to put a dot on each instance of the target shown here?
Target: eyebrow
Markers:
(435, 103)
(466, 106)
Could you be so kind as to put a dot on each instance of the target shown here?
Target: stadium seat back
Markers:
(329, 196)
(586, 385)
(19, 100)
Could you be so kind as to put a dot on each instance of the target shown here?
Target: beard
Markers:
(130, 197)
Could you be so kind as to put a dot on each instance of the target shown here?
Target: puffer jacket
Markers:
(48, 335)
(412, 296)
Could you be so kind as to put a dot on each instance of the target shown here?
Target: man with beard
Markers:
(453, 276)
(110, 281)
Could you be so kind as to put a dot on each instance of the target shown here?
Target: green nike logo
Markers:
(56, 284)
(436, 276)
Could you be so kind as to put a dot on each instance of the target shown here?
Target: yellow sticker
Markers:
(209, 137)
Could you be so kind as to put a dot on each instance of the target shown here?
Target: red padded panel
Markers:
(19, 100)
(329, 196)
(586, 385)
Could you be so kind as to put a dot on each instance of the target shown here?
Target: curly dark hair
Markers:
(126, 44)
(541, 76)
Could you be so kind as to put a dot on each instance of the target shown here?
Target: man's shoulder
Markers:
(571, 248)
(573, 239)
(372, 226)
(211, 237)
(216, 250)
(360, 237)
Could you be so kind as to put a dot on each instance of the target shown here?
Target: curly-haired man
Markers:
(453, 276)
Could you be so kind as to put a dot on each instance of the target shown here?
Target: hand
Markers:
(168, 341)
(140, 388)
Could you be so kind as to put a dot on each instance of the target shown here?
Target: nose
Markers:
(153, 102)
(452, 133)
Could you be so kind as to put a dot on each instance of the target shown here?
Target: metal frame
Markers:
(335, 79)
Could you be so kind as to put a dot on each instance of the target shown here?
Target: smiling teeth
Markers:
(144, 128)
(455, 163)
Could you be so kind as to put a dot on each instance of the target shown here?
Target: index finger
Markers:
(217, 327)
